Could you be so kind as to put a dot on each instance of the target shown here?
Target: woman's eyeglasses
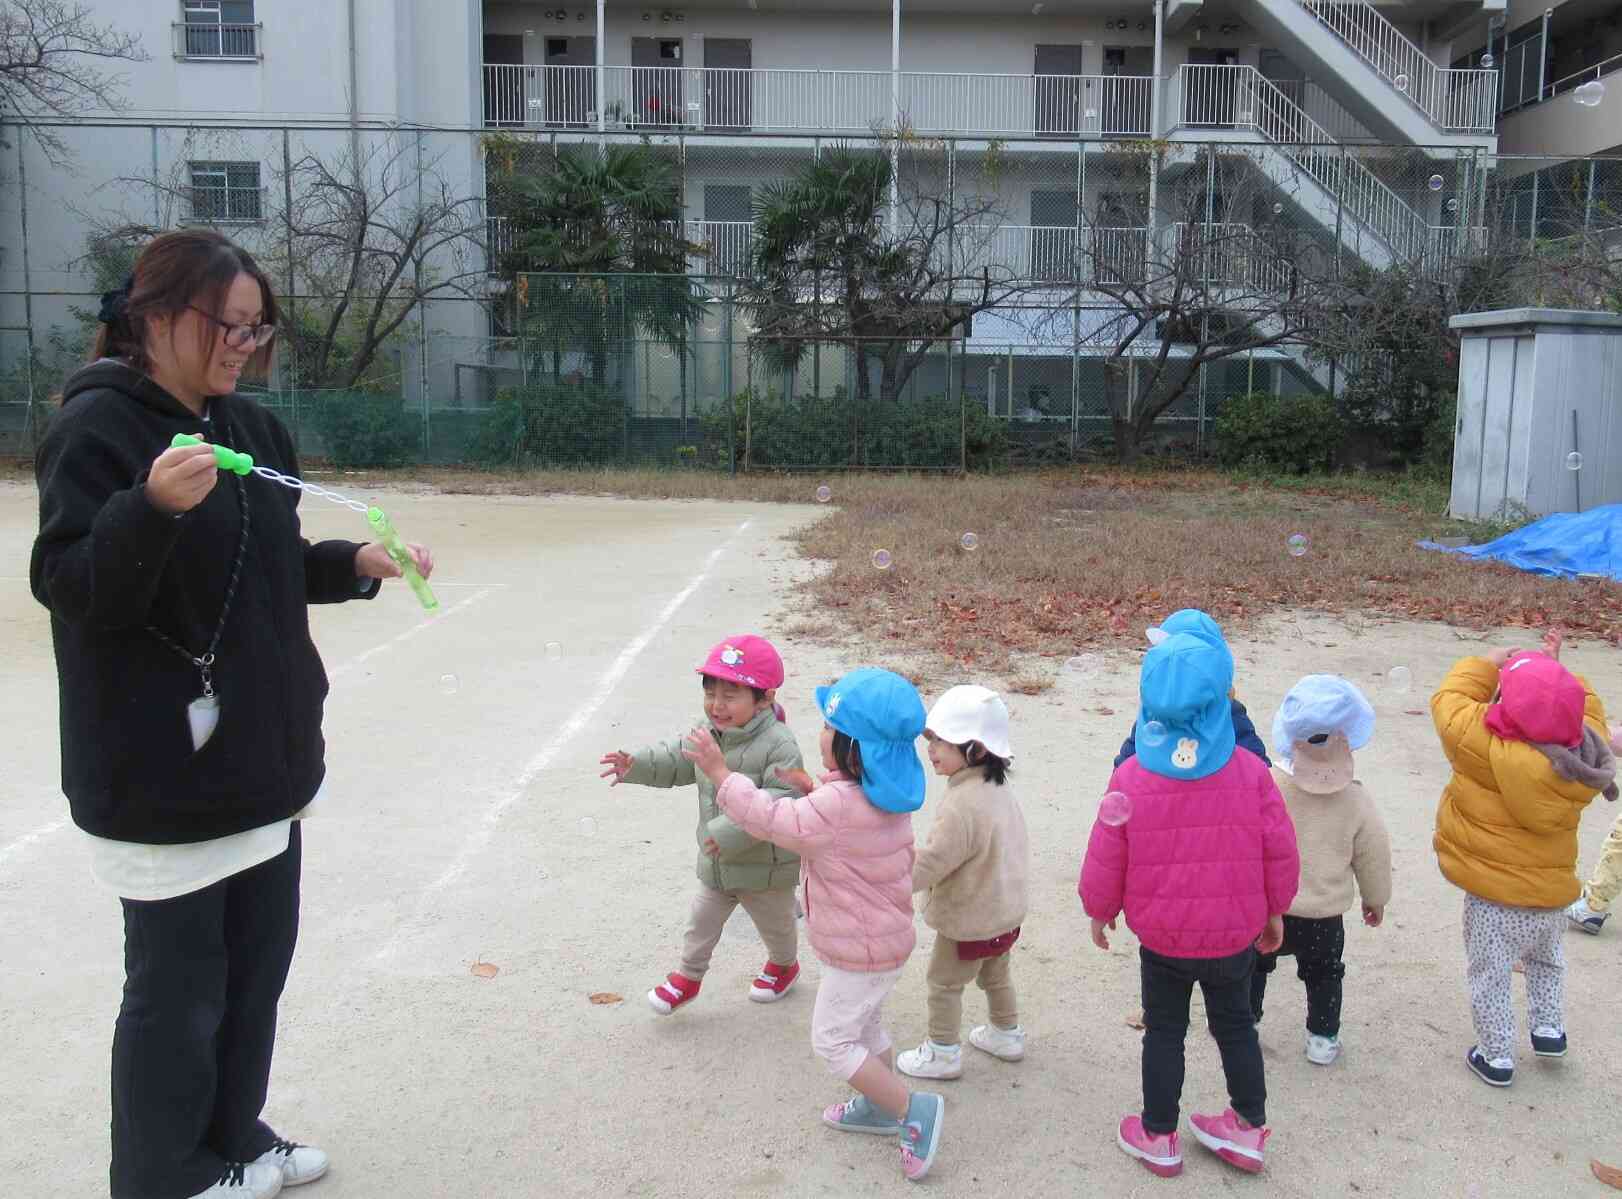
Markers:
(240, 337)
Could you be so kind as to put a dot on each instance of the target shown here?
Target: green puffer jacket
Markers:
(755, 751)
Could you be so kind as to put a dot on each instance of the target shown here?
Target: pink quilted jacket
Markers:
(856, 866)
(1198, 866)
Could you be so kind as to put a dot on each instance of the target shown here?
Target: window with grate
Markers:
(219, 29)
(226, 191)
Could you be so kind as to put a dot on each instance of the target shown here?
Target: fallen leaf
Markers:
(1135, 1020)
(604, 998)
(1609, 1175)
(485, 969)
(1414, 711)
(1106, 711)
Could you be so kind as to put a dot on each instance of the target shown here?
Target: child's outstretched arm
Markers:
(728, 837)
(1371, 866)
(658, 765)
(800, 825)
(947, 849)
(1460, 704)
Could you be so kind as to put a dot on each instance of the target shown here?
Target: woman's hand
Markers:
(1099, 939)
(701, 750)
(798, 779)
(619, 765)
(372, 561)
(181, 478)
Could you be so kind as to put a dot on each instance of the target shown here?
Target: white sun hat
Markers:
(971, 713)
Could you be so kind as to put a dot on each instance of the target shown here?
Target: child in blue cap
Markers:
(1342, 840)
(1198, 624)
(1195, 846)
(854, 837)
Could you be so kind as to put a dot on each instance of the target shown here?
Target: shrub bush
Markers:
(359, 429)
(549, 424)
(1297, 433)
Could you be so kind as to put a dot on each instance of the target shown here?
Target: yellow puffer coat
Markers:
(1506, 829)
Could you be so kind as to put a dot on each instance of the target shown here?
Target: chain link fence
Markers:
(569, 297)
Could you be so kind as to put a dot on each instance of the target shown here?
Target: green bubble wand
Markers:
(387, 535)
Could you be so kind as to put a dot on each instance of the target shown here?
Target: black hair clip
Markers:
(114, 304)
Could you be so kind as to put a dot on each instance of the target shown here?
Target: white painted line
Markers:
(16, 848)
(415, 629)
(480, 837)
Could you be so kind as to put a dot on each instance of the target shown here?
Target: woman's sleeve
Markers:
(102, 546)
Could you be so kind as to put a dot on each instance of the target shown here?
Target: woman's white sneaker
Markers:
(299, 1164)
(245, 1180)
(1006, 1043)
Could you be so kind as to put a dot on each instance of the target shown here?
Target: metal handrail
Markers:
(1576, 79)
(1457, 101)
(233, 42)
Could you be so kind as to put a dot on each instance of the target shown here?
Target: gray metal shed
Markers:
(1536, 387)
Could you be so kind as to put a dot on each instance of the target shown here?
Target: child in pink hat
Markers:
(740, 676)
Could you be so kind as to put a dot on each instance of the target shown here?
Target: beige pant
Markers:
(1607, 880)
(947, 978)
(772, 912)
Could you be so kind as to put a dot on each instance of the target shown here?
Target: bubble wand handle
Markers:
(390, 539)
(224, 458)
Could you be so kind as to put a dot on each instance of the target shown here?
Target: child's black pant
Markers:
(193, 1042)
(1317, 946)
(1168, 984)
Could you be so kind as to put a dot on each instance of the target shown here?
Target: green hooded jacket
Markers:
(754, 750)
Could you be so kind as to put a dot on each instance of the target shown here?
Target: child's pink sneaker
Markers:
(1158, 1152)
(669, 995)
(773, 982)
(1231, 1139)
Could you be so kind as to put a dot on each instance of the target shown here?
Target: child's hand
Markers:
(1553, 640)
(1616, 738)
(1099, 939)
(711, 848)
(1272, 936)
(1499, 657)
(798, 779)
(1372, 916)
(701, 750)
(619, 765)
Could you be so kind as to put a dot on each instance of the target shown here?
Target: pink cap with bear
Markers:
(749, 661)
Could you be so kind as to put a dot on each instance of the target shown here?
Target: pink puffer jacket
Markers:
(856, 866)
(1199, 866)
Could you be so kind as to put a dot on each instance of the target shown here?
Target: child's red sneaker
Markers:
(669, 995)
(773, 982)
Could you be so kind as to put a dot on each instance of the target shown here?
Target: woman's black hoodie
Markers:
(108, 564)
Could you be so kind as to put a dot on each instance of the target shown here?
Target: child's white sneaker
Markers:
(1006, 1043)
(930, 1060)
(1322, 1051)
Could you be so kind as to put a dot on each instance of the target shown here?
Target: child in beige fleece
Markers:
(975, 869)
(1342, 840)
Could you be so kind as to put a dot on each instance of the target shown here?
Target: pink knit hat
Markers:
(1540, 701)
(748, 660)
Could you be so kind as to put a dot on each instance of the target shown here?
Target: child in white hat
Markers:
(1342, 840)
(975, 869)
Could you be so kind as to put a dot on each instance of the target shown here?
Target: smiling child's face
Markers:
(732, 705)
(946, 758)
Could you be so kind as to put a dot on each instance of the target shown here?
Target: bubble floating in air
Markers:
(969, 541)
(1153, 734)
(1115, 809)
(1399, 679)
(1574, 461)
(1297, 544)
(449, 684)
(553, 651)
(1278, 209)
(824, 494)
(1589, 94)
(882, 560)
(1083, 667)
(1401, 83)
(1488, 61)
(1436, 182)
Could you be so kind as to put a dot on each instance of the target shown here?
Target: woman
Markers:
(191, 700)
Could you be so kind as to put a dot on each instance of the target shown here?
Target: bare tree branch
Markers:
(49, 51)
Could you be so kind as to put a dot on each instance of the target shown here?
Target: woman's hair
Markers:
(848, 755)
(976, 754)
(189, 268)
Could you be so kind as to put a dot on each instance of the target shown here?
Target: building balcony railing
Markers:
(210, 40)
(720, 100)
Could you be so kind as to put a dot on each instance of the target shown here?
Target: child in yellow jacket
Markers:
(1526, 740)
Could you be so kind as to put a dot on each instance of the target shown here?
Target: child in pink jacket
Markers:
(1194, 843)
(854, 837)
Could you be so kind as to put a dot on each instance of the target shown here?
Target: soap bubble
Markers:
(1488, 61)
(1153, 734)
(1399, 679)
(1574, 461)
(1401, 82)
(1278, 209)
(449, 684)
(588, 826)
(969, 541)
(1452, 205)
(1083, 667)
(824, 494)
(882, 560)
(1297, 544)
(553, 651)
(1115, 809)
(1435, 182)
(1589, 94)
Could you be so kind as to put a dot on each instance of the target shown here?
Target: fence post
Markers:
(292, 273)
(726, 386)
(28, 274)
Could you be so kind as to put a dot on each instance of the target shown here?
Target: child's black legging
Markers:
(1317, 946)
(1168, 985)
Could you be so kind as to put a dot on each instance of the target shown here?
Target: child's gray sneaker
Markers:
(858, 1115)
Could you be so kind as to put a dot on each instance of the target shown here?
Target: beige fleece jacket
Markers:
(976, 865)
(1342, 839)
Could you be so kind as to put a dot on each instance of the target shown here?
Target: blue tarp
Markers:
(1566, 545)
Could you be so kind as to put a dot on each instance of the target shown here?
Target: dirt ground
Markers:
(464, 822)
